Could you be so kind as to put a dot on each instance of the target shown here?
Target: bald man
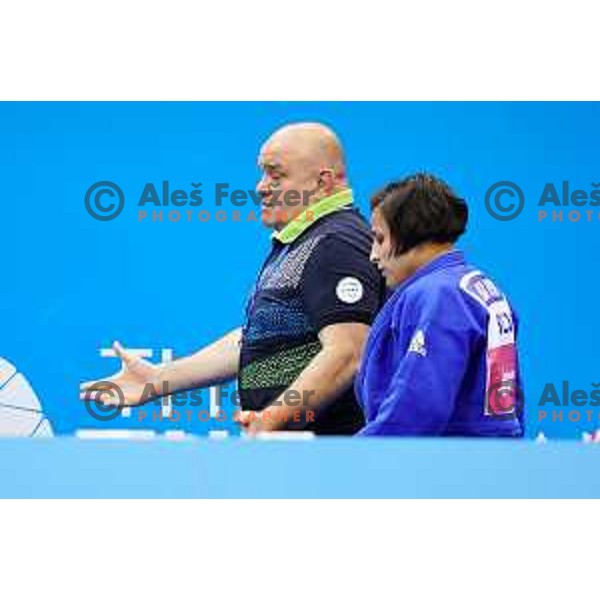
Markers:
(309, 313)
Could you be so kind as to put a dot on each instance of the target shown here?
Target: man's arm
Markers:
(140, 381)
(211, 365)
(328, 375)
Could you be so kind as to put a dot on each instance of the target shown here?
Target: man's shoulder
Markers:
(343, 229)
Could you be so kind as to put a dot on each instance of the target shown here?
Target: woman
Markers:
(441, 358)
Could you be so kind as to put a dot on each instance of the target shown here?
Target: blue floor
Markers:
(322, 468)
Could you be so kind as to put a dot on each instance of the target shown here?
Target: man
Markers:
(309, 313)
(441, 358)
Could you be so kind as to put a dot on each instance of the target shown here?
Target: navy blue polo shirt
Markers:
(318, 273)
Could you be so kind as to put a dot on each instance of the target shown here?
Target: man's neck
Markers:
(315, 199)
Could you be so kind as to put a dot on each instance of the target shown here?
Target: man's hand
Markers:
(254, 422)
(138, 380)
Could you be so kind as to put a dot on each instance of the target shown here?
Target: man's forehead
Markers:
(269, 160)
(272, 156)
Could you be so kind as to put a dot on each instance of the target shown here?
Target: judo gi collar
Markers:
(313, 213)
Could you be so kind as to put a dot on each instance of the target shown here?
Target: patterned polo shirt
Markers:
(317, 273)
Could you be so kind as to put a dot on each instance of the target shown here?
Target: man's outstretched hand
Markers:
(138, 381)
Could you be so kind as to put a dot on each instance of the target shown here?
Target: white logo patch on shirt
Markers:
(417, 344)
(349, 290)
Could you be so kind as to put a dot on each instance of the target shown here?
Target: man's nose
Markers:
(262, 187)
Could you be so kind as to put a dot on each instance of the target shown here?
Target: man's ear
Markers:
(327, 180)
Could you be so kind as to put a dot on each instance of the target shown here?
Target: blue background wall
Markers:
(71, 284)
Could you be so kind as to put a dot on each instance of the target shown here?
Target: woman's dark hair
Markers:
(421, 208)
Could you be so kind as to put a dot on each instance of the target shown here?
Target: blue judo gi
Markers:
(441, 358)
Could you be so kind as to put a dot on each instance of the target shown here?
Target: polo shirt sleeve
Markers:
(340, 284)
